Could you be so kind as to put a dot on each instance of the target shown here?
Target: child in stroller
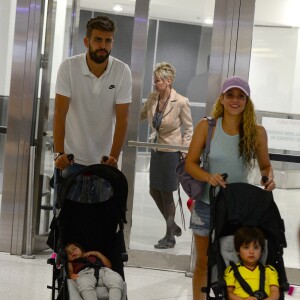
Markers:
(95, 225)
(233, 207)
(91, 269)
(250, 279)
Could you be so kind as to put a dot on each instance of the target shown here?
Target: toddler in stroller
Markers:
(250, 279)
(95, 225)
(233, 207)
(90, 270)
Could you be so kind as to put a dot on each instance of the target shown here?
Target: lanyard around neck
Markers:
(157, 118)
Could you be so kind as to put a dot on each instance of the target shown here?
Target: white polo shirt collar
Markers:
(85, 67)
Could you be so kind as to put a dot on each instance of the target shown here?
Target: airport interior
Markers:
(207, 41)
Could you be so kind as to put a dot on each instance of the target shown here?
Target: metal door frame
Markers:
(39, 242)
(231, 44)
(25, 126)
(20, 123)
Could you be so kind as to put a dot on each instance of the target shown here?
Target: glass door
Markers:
(23, 60)
(274, 79)
(56, 46)
(147, 34)
(7, 21)
(26, 203)
(184, 41)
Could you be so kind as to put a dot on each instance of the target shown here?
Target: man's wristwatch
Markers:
(57, 154)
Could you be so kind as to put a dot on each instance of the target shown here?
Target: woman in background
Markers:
(170, 120)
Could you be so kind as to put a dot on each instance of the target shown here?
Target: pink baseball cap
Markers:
(236, 82)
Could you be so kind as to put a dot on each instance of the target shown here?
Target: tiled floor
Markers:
(148, 224)
(27, 279)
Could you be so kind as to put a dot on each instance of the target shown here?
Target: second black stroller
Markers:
(242, 204)
(95, 221)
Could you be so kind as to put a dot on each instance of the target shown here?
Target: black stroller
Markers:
(95, 221)
(242, 204)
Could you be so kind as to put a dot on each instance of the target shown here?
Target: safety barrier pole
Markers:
(29, 227)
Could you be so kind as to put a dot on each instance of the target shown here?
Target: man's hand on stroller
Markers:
(109, 160)
(63, 161)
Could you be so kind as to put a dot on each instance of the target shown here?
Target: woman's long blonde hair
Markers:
(248, 130)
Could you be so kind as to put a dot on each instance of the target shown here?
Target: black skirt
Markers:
(162, 171)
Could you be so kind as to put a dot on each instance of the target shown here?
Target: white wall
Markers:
(59, 37)
(296, 90)
(274, 69)
(7, 17)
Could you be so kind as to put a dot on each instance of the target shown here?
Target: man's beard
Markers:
(98, 59)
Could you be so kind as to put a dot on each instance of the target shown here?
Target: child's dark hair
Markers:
(101, 23)
(76, 244)
(246, 235)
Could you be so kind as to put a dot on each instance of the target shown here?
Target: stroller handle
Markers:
(58, 172)
(264, 178)
(224, 175)
(70, 156)
(104, 158)
(57, 179)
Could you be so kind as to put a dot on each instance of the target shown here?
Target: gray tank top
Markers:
(224, 158)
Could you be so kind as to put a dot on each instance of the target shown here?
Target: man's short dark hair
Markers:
(103, 23)
(246, 235)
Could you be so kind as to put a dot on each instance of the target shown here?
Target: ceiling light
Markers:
(117, 8)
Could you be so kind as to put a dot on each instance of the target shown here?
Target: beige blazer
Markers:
(176, 127)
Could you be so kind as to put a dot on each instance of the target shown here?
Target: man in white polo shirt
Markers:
(93, 92)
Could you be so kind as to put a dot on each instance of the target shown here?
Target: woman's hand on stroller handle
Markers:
(264, 179)
(268, 183)
(218, 179)
(225, 176)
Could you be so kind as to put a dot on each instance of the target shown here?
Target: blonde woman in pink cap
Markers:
(236, 142)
